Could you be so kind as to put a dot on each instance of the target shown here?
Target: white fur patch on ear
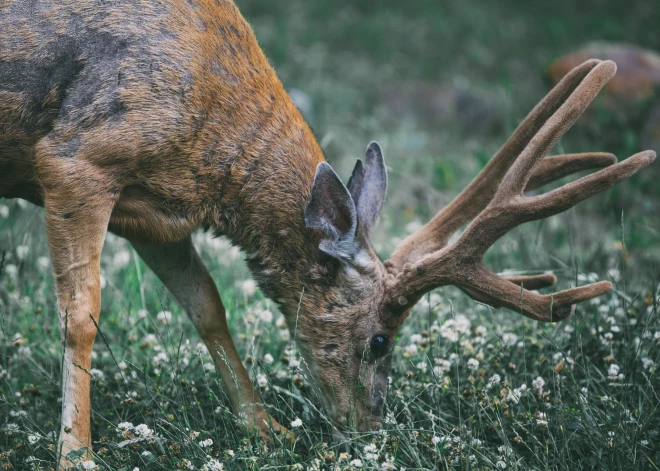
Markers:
(362, 259)
(351, 272)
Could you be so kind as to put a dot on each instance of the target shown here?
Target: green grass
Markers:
(440, 414)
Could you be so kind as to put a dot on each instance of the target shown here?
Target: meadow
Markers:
(472, 388)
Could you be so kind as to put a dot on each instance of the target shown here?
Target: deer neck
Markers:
(262, 201)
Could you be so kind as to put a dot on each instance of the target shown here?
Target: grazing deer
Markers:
(150, 119)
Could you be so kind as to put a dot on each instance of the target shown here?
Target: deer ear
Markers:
(331, 210)
(356, 181)
(368, 185)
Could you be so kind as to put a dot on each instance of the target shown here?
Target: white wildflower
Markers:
(89, 464)
(538, 383)
(413, 226)
(296, 423)
(509, 338)
(453, 328)
(266, 316)
(213, 465)
(206, 443)
(472, 364)
(268, 359)
(164, 317)
(442, 363)
(371, 448)
(22, 252)
(121, 259)
(613, 371)
(262, 381)
(43, 263)
(143, 430)
(249, 287)
(416, 338)
(160, 357)
(500, 464)
(98, 375)
(648, 364)
(11, 270)
(18, 339)
(495, 379)
(411, 349)
(541, 419)
(356, 463)
(33, 438)
(614, 273)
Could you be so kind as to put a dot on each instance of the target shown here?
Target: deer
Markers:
(153, 119)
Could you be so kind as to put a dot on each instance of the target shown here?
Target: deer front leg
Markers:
(181, 270)
(75, 237)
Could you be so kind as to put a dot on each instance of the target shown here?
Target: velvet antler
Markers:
(495, 204)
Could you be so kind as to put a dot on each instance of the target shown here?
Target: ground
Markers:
(471, 387)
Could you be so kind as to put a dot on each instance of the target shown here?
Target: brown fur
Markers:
(151, 119)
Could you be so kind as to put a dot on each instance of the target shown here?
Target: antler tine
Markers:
(530, 282)
(554, 168)
(559, 200)
(541, 307)
(521, 170)
(460, 264)
(476, 196)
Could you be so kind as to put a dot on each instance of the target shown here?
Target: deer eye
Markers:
(379, 344)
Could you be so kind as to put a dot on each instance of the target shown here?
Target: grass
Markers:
(457, 398)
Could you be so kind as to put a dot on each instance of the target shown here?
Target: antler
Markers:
(496, 202)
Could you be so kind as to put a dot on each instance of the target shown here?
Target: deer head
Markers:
(349, 344)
